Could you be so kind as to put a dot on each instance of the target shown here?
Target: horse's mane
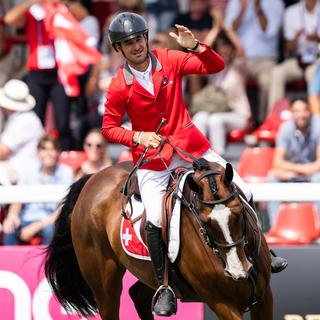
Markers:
(201, 164)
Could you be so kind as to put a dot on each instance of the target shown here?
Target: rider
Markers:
(148, 87)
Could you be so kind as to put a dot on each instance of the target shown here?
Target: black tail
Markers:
(61, 266)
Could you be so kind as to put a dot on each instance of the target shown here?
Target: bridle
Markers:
(204, 230)
(207, 233)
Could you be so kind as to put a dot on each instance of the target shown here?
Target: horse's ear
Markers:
(229, 173)
(192, 184)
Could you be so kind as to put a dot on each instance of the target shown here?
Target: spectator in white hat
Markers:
(21, 133)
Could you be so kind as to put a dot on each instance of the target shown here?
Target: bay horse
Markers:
(223, 253)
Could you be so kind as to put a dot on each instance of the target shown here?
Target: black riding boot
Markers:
(277, 263)
(165, 301)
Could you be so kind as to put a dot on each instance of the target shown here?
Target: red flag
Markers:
(73, 54)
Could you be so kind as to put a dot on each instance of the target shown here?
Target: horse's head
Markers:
(220, 210)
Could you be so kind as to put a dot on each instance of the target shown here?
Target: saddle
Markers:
(168, 203)
(182, 288)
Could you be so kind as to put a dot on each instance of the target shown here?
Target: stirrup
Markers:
(156, 296)
(161, 288)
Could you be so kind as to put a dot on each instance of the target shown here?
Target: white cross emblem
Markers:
(126, 237)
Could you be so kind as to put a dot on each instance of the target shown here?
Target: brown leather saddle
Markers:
(168, 203)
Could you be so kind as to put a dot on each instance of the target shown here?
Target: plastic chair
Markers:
(34, 241)
(280, 112)
(255, 163)
(295, 224)
(237, 135)
(73, 158)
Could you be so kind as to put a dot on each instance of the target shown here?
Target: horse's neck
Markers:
(253, 230)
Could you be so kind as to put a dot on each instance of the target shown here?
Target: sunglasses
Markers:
(90, 145)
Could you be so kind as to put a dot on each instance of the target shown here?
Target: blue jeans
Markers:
(12, 239)
(273, 206)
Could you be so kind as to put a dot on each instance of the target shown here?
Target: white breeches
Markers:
(153, 184)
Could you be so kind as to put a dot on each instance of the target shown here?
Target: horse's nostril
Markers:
(244, 277)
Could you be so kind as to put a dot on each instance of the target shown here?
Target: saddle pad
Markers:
(131, 240)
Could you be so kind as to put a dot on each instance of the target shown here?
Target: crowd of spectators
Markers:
(265, 43)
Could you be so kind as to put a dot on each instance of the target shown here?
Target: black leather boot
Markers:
(164, 301)
(277, 263)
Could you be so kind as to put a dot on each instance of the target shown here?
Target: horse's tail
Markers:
(61, 266)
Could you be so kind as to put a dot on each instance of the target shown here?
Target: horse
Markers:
(223, 254)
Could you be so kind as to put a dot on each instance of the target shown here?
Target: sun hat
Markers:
(14, 95)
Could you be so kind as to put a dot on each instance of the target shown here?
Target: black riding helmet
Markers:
(126, 26)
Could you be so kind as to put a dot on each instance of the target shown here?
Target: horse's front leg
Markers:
(263, 309)
(226, 312)
(142, 295)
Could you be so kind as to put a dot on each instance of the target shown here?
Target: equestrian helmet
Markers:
(126, 26)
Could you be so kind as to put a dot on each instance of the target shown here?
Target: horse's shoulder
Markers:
(117, 170)
(110, 178)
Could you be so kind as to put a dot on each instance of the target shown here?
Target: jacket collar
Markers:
(128, 76)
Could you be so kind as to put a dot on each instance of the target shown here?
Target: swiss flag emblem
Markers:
(132, 243)
(126, 237)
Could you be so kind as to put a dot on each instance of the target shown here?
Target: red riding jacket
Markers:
(125, 94)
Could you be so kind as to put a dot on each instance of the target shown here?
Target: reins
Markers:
(127, 185)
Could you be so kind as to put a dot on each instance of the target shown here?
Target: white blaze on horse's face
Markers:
(221, 214)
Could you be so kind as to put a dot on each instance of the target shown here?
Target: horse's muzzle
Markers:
(240, 277)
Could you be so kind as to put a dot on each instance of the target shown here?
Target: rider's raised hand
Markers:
(186, 39)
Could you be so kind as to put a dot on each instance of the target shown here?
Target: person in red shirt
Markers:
(42, 78)
(148, 87)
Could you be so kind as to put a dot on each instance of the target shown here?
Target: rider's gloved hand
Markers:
(147, 139)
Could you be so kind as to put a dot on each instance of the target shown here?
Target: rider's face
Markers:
(136, 52)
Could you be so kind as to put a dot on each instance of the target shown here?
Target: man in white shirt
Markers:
(302, 35)
(257, 23)
(22, 131)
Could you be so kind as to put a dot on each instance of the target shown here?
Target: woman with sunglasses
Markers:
(95, 147)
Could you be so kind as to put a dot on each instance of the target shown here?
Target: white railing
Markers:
(28, 194)
(262, 192)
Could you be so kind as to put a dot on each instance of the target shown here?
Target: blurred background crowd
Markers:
(261, 112)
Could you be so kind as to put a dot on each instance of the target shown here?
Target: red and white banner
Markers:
(25, 293)
(73, 50)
